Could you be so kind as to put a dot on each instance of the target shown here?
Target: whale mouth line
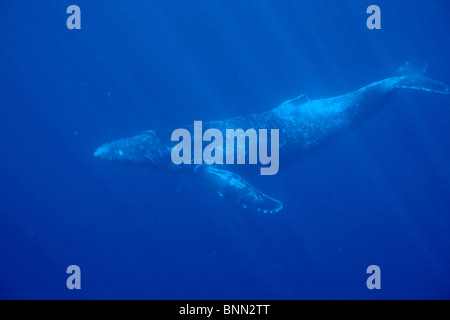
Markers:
(100, 151)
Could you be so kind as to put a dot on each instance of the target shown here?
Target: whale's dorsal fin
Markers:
(231, 185)
(301, 99)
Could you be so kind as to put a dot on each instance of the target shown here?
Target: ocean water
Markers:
(378, 196)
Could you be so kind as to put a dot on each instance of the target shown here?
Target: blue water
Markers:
(379, 196)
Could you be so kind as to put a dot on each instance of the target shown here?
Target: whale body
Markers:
(304, 125)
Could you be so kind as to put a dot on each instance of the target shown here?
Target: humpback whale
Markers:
(304, 126)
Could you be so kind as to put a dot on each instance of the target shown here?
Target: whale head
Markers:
(142, 148)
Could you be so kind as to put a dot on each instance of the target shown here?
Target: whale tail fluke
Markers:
(424, 84)
(413, 68)
(411, 74)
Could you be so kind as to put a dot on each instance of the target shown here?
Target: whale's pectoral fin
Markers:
(231, 185)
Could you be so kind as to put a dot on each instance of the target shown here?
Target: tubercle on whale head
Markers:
(135, 149)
